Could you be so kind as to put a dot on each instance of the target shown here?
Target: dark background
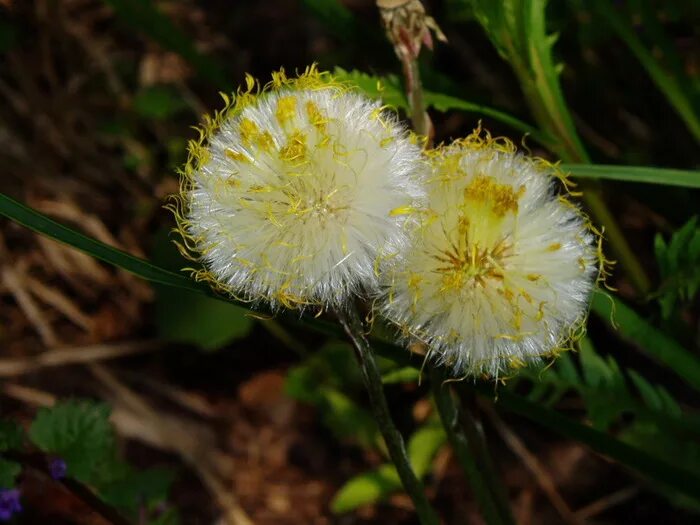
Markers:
(95, 112)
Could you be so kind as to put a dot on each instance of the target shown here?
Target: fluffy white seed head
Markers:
(291, 195)
(501, 266)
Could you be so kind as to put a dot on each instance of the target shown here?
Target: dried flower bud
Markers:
(408, 27)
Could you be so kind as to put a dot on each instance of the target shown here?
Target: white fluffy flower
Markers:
(292, 194)
(501, 265)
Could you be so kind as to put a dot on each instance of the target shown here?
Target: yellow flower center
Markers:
(477, 246)
(468, 265)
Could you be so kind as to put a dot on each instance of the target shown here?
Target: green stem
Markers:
(593, 197)
(540, 82)
(571, 150)
(352, 324)
(472, 453)
(419, 117)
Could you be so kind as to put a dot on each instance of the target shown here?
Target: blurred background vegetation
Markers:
(220, 415)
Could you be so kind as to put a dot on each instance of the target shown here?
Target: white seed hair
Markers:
(501, 267)
(293, 205)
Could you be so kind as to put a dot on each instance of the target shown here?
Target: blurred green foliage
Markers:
(679, 267)
(79, 433)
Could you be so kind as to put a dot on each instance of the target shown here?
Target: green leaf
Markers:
(9, 470)
(517, 30)
(640, 174)
(604, 390)
(44, 225)
(327, 379)
(379, 484)
(145, 16)
(11, 435)
(388, 88)
(445, 103)
(552, 110)
(300, 385)
(638, 331)
(79, 432)
(679, 265)
(366, 489)
(607, 395)
(334, 365)
(656, 470)
(158, 102)
(137, 488)
(347, 419)
(193, 318)
(664, 444)
(406, 374)
(423, 446)
(655, 397)
(391, 92)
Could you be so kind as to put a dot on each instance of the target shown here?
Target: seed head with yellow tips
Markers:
(501, 266)
(289, 195)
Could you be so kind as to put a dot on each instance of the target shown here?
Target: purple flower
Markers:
(9, 503)
(58, 468)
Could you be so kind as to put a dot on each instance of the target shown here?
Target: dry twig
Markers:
(70, 356)
(544, 480)
(14, 282)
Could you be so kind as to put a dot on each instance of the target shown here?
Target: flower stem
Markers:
(352, 324)
(472, 453)
(593, 197)
(419, 116)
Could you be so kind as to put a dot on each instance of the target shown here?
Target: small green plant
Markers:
(74, 443)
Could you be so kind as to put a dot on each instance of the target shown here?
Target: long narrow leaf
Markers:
(657, 344)
(641, 174)
(553, 111)
(656, 470)
(44, 225)
(446, 102)
(389, 89)
(600, 442)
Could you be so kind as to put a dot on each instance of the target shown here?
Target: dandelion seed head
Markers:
(501, 266)
(291, 193)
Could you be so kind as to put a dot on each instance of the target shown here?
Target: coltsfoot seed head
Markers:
(294, 192)
(501, 266)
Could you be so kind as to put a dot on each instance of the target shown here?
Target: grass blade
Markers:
(44, 225)
(657, 470)
(392, 93)
(444, 103)
(633, 327)
(641, 174)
